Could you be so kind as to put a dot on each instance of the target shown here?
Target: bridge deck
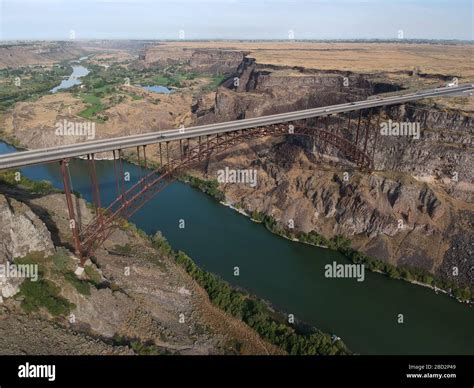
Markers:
(52, 154)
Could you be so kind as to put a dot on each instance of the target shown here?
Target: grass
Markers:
(95, 106)
(125, 250)
(135, 97)
(62, 261)
(139, 347)
(93, 274)
(210, 187)
(34, 82)
(44, 294)
(81, 286)
(38, 187)
(216, 80)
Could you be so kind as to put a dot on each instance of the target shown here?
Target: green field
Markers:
(29, 83)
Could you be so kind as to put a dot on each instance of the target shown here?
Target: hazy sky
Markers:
(236, 19)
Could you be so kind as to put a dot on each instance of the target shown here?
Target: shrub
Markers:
(61, 260)
(93, 274)
(257, 315)
(81, 286)
(44, 293)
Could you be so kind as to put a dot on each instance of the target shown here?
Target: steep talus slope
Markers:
(131, 299)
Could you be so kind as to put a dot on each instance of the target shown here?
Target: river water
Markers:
(290, 275)
(78, 71)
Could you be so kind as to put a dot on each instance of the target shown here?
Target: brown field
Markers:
(451, 60)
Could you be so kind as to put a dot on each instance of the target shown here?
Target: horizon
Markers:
(365, 40)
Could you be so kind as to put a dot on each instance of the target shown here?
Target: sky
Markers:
(236, 19)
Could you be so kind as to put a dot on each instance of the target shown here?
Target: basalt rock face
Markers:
(21, 232)
(215, 61)
(255, 90)
(408, 213)
(206, 61)
(443, 151)
(394, 218)
(45, 53)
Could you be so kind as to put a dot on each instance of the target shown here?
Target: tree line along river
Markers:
(288, 274)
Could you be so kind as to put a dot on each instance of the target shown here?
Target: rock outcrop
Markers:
(21, 232)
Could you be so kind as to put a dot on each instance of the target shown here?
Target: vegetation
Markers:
(61, 260)
(343, 245)
(210, 187)
(38, 187)
(93, 275)
(33, 82)
(216, 80)
(82, 286)
(102, 83)
(94, 107)
(407, 273)
(270, 325)
(139, 347)
(44, 293)
(125, 250)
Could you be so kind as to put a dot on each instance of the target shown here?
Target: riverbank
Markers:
(290, 336)
(412, 275)
(270, 325)
(156, 292)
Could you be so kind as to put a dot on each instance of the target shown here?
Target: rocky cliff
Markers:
(45, 53)
(204, 61)
(21, 232)
(414, 210)
(130, 300)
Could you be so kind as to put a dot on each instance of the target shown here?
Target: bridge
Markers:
(186, 147)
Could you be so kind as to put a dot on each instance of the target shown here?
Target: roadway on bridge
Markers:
(52, 154)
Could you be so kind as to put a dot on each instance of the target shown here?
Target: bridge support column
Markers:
(367, 130)
(70, 207)
(377, 129)
(95, 187)
(358, 129)
(199, 148)
(161, 155)
(122, 177)
(145, 165)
